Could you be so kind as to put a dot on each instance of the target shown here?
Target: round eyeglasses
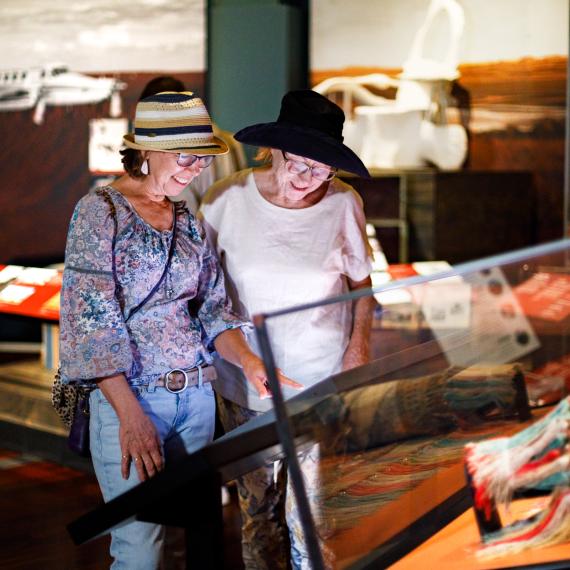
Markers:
(189, 159)
(322, 173)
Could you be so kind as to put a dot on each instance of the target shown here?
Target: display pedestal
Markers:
(455, 546)
(25, 396)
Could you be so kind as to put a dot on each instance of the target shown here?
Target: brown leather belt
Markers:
(178, 379)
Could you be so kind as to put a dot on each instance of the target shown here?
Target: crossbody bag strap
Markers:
(155, 288)
(101, 192)
(111, 204)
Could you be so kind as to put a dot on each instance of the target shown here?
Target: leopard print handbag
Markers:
(71, 404)
(64, 398)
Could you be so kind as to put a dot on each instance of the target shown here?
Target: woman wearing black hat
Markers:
(289, 233)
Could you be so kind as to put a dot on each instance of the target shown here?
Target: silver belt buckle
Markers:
(167, 379)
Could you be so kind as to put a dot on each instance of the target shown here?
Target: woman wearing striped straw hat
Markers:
(143, 306)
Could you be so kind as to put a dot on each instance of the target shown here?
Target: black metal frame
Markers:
(191, 487)
(285, 431)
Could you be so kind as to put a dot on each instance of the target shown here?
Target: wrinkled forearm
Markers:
(232, 346)
(362, 324)
(358, 349)
(118, 393)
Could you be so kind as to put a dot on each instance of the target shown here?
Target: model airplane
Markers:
(54, 84)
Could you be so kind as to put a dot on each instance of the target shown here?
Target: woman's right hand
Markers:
(140, 444)
(138, 437)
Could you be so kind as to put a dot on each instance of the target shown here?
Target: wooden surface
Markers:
(462, 216)
(453, 216)
(37, 500)
(390, 517)
(455, 547)
(527, 81)
(45, 170)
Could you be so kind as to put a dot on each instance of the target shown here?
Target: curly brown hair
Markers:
(132, 161)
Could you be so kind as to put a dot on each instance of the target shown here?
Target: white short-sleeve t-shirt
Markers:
(275, 258)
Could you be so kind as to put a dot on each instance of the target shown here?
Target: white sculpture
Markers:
(54, 84)
(410, 130)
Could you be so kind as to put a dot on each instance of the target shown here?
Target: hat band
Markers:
(200, 136)
(173, 131)
(170, 97)
(197, 114)
(184, 145)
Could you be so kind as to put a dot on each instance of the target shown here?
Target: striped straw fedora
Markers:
(174, 122)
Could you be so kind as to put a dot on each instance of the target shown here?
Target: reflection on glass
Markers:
(457, 360)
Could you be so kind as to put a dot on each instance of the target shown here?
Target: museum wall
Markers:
(511, 92)
(510, 95)
(44, 169)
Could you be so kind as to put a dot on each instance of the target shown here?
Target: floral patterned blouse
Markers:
(175, 328)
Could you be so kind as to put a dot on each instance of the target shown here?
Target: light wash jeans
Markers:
(185, 423)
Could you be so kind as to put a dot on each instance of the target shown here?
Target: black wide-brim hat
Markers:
(308, 125)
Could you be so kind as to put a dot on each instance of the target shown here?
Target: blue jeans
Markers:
(185, 423)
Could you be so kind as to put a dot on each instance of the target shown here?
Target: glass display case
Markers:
(376, 452)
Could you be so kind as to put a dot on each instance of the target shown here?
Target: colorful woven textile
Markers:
(537, 457)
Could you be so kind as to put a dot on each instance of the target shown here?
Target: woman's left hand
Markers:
(254, 371)
(232, 346)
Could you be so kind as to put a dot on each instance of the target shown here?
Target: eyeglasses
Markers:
(189, 159)
(322, 173)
